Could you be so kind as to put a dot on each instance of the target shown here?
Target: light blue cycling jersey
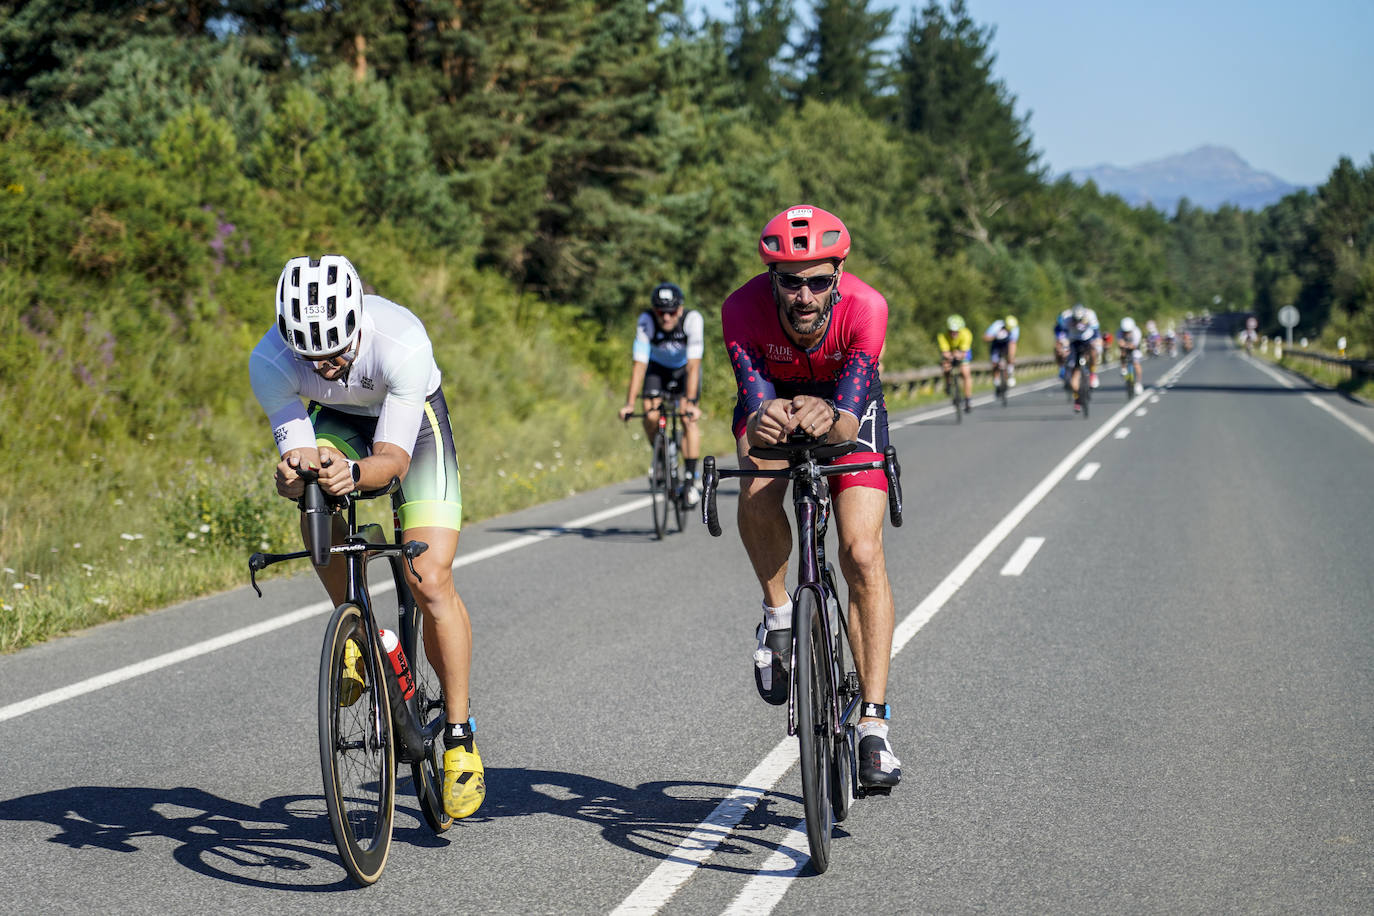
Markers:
(669, 349)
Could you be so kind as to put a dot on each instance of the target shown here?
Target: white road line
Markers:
(1088, 471)
(1141, 412)
(764, 890)
(1361, 430)
(1286, 382)
(1122, 433)
(1154, 400)
(1021, 559)
(128, 672)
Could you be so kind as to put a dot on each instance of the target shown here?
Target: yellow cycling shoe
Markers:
(465, 783)
(351, 680)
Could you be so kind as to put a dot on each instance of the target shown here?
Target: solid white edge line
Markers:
(1022, 557)
(1361, 431)
(147, 666)
(763, 891)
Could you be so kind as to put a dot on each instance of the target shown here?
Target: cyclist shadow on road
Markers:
(653, 818)
(284, 843)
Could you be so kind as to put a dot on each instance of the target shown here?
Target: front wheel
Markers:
(357, 748)
(658, 490)
(815, 736)
(1085, 386)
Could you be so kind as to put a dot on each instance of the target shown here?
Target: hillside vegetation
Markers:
(519, 174)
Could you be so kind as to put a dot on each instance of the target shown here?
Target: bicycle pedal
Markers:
(865, 791)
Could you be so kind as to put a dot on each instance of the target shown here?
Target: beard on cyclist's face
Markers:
(804, 310)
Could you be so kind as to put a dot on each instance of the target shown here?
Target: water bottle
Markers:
(392, 646)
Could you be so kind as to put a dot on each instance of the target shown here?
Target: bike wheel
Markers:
(1085, 387)
(956, 396)
(842, 760)
(357, 752)
(814, 735)
(658, 492)
(676, 481)
(428, 706)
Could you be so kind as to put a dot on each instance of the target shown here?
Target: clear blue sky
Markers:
(1287, 84)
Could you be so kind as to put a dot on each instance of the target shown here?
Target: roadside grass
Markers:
(1323, 374)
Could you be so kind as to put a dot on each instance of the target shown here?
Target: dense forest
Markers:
(520, 173)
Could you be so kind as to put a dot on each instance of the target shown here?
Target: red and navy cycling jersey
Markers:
(768, 364)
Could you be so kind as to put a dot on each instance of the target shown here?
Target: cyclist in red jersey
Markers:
(804, 340)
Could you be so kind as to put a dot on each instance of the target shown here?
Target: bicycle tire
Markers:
(428, 705)
(814, 738)
(658, 486)
(1085, 384)
(676, 479)
(956, 396)
(357, 750)
(842, 761)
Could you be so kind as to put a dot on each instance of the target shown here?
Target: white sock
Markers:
(777, 618)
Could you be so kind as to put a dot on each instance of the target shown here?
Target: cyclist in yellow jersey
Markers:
(956, 344)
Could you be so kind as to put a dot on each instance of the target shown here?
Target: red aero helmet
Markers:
(803, 234)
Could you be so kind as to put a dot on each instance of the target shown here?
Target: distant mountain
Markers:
(1209, 176)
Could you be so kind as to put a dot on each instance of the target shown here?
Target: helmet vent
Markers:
(331, 275)
(333, 338)
(295, 308)
(799, 243)
(331, 307)
(772, 243)
(830, 237)
(315, 343)
(312, 293)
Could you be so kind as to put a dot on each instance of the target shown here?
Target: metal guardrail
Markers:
(1358, 369)
(915, 380)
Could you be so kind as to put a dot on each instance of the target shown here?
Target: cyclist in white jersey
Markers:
(1128, 339)
(375, 411)
(666, 362)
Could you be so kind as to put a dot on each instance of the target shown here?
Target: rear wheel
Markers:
(814, 734)
(956, 395)
(428, 705)
(658, 491)
(357, 753)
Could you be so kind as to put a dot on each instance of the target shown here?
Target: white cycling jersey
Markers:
(1000, 333)
(392, 374)
(1130, 338)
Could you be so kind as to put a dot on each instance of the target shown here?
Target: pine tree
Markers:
(842, 57)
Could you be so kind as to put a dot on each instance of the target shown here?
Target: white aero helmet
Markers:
(319, 305)
(1128, 324)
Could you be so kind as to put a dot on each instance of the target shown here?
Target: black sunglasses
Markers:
(794, 282)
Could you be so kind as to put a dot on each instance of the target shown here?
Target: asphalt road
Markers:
(1163, 705)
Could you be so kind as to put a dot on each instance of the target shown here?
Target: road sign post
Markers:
(1288, 317)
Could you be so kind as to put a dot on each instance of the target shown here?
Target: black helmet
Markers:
(666, 297)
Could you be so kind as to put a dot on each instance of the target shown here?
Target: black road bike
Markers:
(824, 698)
(367, 724)
(954, 388)
(668, 478)
(1080, 361)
